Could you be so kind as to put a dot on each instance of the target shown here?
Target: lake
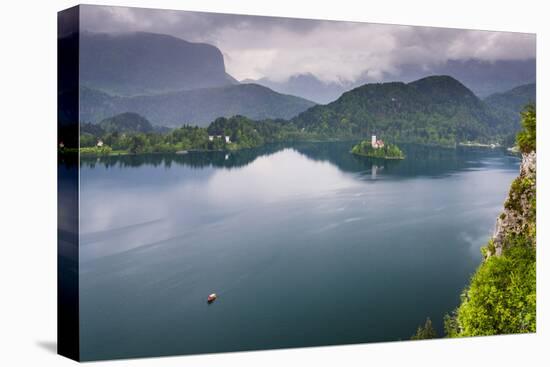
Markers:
(304, 244)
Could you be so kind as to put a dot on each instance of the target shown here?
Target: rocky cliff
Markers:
(502, 295)
(518, 217)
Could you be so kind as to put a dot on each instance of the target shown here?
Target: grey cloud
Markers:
(256, 47)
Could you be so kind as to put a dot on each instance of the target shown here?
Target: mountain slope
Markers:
(148, 63)
(127, 122)
(507, 107)
(509, 104)
(433, 110)
(196, 107)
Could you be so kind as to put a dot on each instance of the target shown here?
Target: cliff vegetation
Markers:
(501, 296)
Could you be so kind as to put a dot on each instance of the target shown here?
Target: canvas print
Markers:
(236, 183)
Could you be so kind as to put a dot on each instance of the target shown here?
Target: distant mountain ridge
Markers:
(482, 77)
(305, 85)
(195, 107)
(130, 64)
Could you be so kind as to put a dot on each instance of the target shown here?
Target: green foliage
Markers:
(388, 151)
(450, 325)
(121, 133)
(87, 140)
(507, 107)
(425, 331)
(488, 250)
(138, 144)
(95, 151)
(521, 187)
(436, 110)
(127, 122)
(501, 298)
(527, 137)
(242, 131)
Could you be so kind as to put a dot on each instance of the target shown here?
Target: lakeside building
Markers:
(226, 137)
(376, 143)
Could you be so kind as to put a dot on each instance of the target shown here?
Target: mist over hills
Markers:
(306, 86)
(482, 77)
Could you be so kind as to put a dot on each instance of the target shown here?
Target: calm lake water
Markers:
(305, 245)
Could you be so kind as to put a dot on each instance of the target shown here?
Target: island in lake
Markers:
(377, 149)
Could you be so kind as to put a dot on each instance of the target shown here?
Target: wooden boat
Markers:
(211, 298)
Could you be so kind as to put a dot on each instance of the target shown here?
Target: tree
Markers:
(137, 143)
(87, 140)
(527, 137)
(425, 332)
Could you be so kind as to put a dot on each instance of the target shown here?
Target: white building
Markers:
(376, 143)
(226, 137)
(100, 143)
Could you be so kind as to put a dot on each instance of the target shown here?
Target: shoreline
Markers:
(375, 157)
(510, 150)
(479, 145)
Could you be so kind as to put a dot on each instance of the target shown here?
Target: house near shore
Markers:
(375, 143)
(226, 137)
(99, 143)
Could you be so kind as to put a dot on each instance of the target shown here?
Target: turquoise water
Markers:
(305, 245)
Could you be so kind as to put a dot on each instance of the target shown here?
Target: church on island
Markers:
(376, 143)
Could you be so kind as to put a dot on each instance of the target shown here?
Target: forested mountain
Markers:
(196, 107)
(508, 105)
(433, 110)
(148, 63)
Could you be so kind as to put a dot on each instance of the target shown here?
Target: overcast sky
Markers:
(276, 48)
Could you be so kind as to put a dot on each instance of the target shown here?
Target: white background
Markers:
(28, 183)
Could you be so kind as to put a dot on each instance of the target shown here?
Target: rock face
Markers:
(519, 212)
(142, 63)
